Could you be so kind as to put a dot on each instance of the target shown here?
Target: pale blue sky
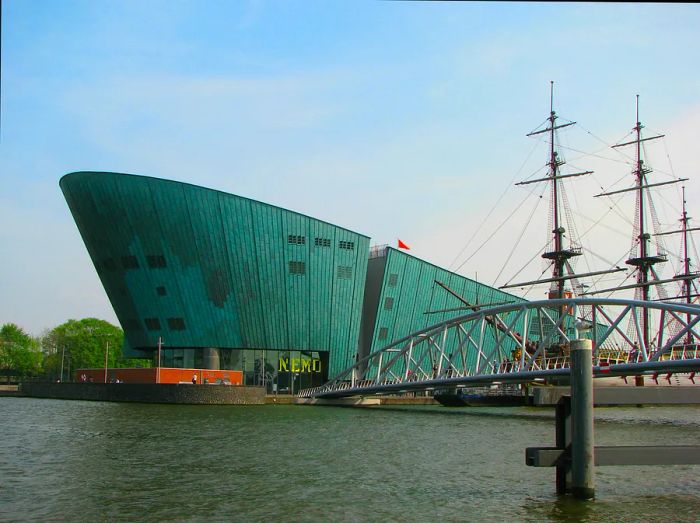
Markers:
(397, 120)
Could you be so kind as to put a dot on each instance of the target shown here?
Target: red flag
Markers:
(402, 245)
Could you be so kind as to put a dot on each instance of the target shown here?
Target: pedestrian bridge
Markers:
(529, 342)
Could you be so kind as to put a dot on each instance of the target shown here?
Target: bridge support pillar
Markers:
(582, 457)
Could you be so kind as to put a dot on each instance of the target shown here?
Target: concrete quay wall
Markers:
(147, 393)
(648, 395)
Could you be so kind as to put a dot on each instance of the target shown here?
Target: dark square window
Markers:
(161, 291)
(131, 324)
(346, 245)
(344, 273)
(130, 262)
(393, 279)
(388, 303)
(322, 242)
(296, 239)
(176, 324)
(156, 261)
(383, 332)
(297, 267)
(152, 324)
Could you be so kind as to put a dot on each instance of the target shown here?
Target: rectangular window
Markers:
(393, 279)
(344, 273)
(130, 262)
(161, 291)
(346, 245)
(176, 324)
(131, 324)
(297, 267)
(295, 239)
(322, 242)
(388, 303)
(156, 261)
(109, 264)
(383, 332)
(152, 324)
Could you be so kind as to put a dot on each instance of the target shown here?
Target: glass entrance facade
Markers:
(280, 372)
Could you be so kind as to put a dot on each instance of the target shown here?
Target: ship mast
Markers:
(644, 260)
(687, 282)
(560, 254)
(686, 276)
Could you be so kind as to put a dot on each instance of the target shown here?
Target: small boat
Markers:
(481, 397)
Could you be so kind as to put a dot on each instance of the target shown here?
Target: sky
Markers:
(393, 119)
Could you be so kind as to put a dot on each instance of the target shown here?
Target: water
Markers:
(80, 461)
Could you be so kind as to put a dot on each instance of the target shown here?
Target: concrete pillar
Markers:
(582, 458)
(210, 359)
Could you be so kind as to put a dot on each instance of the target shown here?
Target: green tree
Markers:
(20, 353)
(82, 344)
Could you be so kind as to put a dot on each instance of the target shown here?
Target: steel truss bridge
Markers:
(528, 342)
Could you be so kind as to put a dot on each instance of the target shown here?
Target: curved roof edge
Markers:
(165, 180)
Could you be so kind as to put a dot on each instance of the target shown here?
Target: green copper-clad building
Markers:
(405, 294)
(226, 282)
(222, 280)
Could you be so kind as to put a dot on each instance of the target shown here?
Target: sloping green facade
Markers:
(202, 268)
(401, 297)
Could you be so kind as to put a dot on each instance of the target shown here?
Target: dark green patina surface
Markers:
(203, 268)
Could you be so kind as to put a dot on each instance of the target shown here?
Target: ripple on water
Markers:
(65, 460)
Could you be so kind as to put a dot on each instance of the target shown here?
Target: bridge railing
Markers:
(524, 338)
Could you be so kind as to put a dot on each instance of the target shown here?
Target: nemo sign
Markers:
(299, 365)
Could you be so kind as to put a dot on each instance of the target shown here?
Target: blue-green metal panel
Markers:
(416, 293)
(227, 267)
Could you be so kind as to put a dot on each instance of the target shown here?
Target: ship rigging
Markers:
(557, 252)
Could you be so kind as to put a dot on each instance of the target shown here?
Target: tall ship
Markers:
(563, 246)
(648, 252)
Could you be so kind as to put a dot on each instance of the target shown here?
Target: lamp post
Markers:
(63, 353)
(106, 359)
(160, 344)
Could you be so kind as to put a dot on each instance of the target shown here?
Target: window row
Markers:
(153, 324)
(154, 261)
(174, 324)
(344, 272)
(295, 239)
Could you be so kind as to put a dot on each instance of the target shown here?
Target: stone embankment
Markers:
(9, 390)
(147, 393)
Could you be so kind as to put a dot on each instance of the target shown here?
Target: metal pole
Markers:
(106, 358)
(160, 342)
(582, 464)
(63, 353)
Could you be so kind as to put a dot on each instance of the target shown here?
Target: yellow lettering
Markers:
(284, 364)
(317, 365)
(305, 365)
(295, 364)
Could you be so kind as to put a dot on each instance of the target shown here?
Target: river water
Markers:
(91, 461)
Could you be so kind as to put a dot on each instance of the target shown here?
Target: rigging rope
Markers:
(520, 237)
(478, 229)
(495, 231)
